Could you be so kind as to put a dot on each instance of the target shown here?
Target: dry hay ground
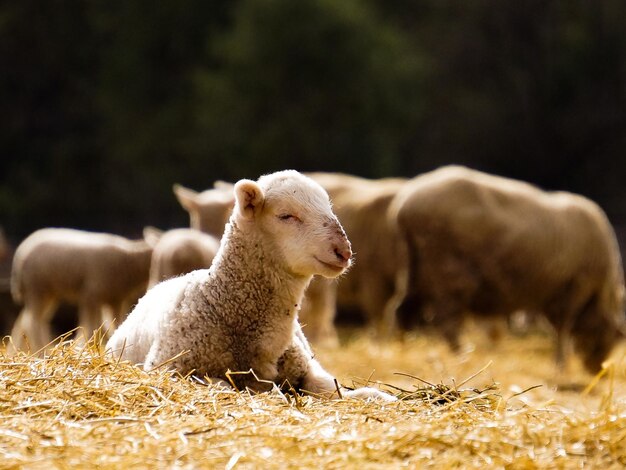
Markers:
(490, 407)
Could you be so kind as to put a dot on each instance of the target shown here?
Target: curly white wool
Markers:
(241, 313)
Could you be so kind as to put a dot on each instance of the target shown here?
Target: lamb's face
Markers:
(295, 216)
(307, 233)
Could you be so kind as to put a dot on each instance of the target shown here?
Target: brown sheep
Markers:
(179, 251)
(101, 273)
(209, 210)
(370, 286)
(490, 245)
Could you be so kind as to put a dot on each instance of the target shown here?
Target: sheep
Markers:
(178, 251)
(361, 205)
(100, 273)
(370, 286)
(242, 313)
(491, 245)
(209, 210)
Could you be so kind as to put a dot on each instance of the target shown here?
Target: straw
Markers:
(74, 407)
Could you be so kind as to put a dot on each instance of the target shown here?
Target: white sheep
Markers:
(209, 210)
(370, 286)
(179, 251)
(101, 273)
(242, 313)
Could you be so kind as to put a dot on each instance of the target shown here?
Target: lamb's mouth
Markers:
(332, 266)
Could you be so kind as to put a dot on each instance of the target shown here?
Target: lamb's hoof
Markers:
(368, 393)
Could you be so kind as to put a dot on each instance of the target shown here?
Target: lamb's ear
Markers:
(152, 235)
(223, 185)
(249, 196)
(186, 197)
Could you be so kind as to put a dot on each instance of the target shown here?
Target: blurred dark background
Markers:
(105, 104)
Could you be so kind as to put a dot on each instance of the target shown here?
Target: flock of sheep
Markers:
(227, 297)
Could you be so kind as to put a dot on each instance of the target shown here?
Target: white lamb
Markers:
(209, 210)
(242, 313)
(101, 273)
(179, 251)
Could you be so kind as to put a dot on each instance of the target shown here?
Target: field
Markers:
(493, 406)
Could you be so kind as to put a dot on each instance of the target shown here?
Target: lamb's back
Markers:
(159, 306)
(63, 260)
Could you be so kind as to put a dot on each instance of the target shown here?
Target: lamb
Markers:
(242, 313)
(178, 251)
(101, 273)
(490, 245)
(209, 210)
(370, 286)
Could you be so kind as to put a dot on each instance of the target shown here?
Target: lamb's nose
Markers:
(343, 253)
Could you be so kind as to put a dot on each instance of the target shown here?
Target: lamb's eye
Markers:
(289, 217)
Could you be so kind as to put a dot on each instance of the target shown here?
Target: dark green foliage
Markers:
(320, 84)
(105, 104)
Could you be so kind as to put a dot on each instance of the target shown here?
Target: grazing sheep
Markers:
(178, 251)
(242, 313)
(490, 245)
(96, 271)
(361, 205)
(209, 210)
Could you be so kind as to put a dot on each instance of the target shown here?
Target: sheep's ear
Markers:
(223, 185)
(249, 196)
(186, 197)
(152, 235)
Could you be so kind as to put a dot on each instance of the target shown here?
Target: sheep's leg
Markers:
(448, 316)
(378, 295)
(297, 367)
(318, 312)
(89, 319)
(563, 347)
(31, 329)
(562, 312)
(301, 339)
(563, 328)
(123, 311)
(113, 316)
(389, 321)
(320, 382)
(108, 322)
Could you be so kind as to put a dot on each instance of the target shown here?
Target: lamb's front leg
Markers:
(298, 367)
